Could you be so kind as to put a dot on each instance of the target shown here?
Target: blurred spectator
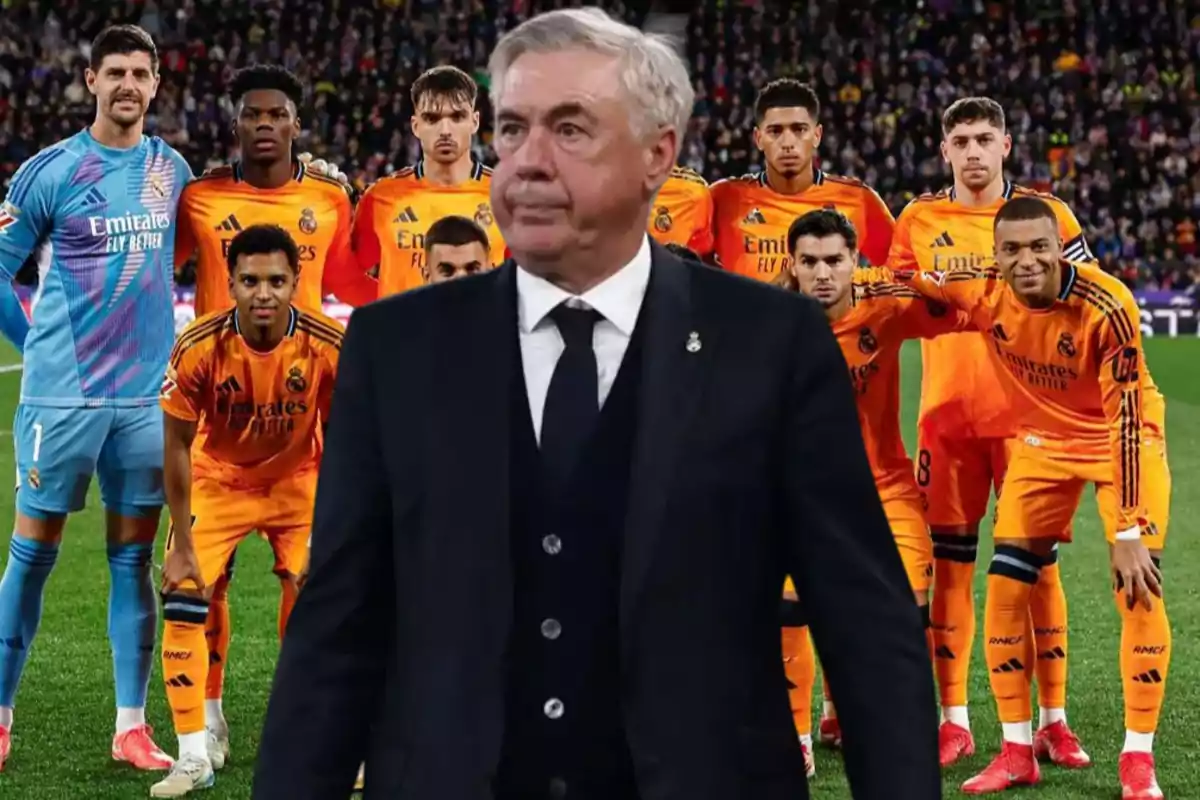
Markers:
(1101, 97)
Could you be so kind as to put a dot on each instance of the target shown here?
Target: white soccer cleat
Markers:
(217, 739)
(187, 775)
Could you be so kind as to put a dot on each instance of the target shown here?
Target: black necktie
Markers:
(573, 400)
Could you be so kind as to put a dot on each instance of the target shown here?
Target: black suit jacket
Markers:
(749, 464)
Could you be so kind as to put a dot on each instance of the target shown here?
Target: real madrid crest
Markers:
(35, 478)
(1066, 345)
(483, 215)
(867, 342)
(662, 219)
(156, 185)
(308, 221)
(295, 382)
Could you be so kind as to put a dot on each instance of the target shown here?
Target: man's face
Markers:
(824, 267)
(1029, 254)
(266, 126)
(445, 262)
(975, 152)
(445, 128)
(788, 138)
(571, 171)
(123, 86)
(262, 286)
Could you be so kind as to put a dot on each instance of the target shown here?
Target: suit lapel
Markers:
(675, 349)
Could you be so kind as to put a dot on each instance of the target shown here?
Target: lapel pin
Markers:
(693, 342)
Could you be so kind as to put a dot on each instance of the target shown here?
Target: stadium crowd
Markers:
(1101, 97)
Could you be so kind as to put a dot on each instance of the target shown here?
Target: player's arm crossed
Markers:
(1122, 369)
(964, 290)
(344, 276)
(923, 318)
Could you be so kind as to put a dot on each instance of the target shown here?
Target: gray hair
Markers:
(654, 76)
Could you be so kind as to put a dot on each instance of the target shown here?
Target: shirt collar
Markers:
(618, 299)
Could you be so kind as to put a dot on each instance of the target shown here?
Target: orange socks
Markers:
(952, 612)
(1048, 607)
(1145, 659)
(185, 660)
(1011, 578)
(800, 666)
(217, 632)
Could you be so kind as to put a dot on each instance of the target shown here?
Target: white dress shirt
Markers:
(618, 300)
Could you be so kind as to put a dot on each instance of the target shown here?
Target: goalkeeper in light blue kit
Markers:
(97, 214)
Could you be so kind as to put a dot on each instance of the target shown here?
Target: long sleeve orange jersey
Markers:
(882, 317)
(962, 394)
(1078, 366)
(683, 212)
(394, 214)
(751, 220)
(315, 210)
(259, 413)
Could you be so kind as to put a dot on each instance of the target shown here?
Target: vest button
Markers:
(553, 708)
(551, 628)
(552, 544)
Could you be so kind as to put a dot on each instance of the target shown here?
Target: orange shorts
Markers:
(956, 476)
(224, 515)
(906, 517)
(1045, 482)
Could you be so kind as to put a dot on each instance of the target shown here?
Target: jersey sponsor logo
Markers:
(308, 221)
(130, 233)
(1040, 375)
(944, 259)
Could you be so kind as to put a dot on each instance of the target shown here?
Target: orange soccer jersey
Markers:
(258, 413)
(870, 334)
(394, 214)
(751, 220)
(1078, 367)
(683, 212)
(962, 394)
(315, 210)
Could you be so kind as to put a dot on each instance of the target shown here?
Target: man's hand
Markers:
(324, 167)
(1134, 570)
(181, 566)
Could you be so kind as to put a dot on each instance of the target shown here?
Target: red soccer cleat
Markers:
(1137, 777)
(135, 746)
(954, 743)
(1059, 745)
(5, 746)
(830, 732)
(810, 763)
(1015, 766)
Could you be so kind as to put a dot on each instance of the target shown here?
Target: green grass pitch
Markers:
(64, 717)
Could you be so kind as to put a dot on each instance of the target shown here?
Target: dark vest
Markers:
(564, 732)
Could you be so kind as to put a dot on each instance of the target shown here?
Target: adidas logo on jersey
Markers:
(755, 217)
(943, 240)
(228, 386)
(93, 198)
(230, 223)
(407, 215)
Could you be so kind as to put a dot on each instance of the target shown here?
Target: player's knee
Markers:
(955, 544)
(1017, 561)
(44, 527)
(185, 607)
(132, 524)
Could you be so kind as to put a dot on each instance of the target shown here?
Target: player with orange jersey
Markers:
(245, 394)
(871, 321)
(455, 247)
(1069, 337)
(683, 212)
(394, 213)
(751, 217)
(751, 214)
(269, 185)
(964, 428)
